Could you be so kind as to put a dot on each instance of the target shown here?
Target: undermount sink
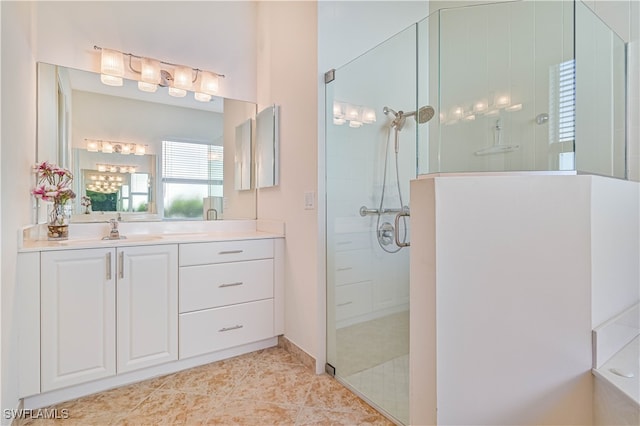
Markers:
(134, 238)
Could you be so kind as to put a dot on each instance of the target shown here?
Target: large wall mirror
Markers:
(140, 155)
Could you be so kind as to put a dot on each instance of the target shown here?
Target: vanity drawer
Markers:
(352, 241)
(353, 300)
(352, 266)
(225, 251)
(221, 328)
(211, 286)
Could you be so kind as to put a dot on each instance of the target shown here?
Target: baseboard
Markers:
(298, 353)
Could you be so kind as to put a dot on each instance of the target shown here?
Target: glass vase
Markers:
(58, 224)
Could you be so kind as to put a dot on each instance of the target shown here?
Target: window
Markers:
(562, 108)
(190, 172)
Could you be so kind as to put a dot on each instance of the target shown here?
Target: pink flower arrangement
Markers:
(54, 184)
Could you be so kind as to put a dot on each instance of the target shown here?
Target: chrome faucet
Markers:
(114, 234)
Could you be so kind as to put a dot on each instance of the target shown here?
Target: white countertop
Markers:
(83, 236)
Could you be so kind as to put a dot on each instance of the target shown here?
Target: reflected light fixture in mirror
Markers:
(109, 147)
(152, 73)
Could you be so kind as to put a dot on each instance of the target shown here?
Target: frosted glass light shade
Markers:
(208, 83)
(92, 146)
(182, 78)
(178, 93)
(107, 147)
(202, 97)
(112, 63)
(147, 87)
(140, 150)
(110, 80)
(368, 116)
(150, 70)
(125, 150)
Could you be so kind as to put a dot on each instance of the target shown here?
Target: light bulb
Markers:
(368, 116)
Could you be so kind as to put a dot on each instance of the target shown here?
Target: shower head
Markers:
(425, 114)
(421, 116)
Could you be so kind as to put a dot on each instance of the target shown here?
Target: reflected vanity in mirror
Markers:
(140, 155)
(267, 146)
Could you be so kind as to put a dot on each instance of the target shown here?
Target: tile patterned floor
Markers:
(267, 387)
(387, 385)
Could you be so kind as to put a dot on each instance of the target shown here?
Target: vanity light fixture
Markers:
(114, 168)
(109, 147)
(153, 73)
(355, 115)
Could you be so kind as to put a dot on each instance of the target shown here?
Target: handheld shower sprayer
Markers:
(422, 115)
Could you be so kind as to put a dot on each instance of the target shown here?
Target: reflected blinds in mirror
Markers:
(191, 172)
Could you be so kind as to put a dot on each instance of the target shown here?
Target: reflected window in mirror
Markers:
(192, 173)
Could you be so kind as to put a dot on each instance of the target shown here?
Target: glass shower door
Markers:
(372, 121)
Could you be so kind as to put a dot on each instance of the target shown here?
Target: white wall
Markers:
(287, 76)
(615, 247)
(17, 147)
(214, 35)
(513, 343)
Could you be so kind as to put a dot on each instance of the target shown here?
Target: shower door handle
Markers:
(399, 243)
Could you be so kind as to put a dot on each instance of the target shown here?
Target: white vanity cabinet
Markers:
(115, 312)
(147, 300)
(107, 311)
(226, 295)
(78, 317)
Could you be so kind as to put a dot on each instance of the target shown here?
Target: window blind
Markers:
(192, 162)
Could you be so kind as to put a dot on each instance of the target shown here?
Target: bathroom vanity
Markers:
(104, 313)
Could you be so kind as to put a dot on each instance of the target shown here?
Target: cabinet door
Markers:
(78, 311)
(147, 306)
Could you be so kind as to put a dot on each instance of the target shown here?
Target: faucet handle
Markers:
(114, 223)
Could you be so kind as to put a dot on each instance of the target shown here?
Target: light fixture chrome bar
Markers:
(131, 55)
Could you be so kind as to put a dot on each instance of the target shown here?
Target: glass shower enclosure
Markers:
(485, 88)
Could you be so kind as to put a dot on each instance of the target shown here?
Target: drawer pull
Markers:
(235, 327)
(345, 303)
(346, 268)
(230, 252)
(108, 266)
(230, 284)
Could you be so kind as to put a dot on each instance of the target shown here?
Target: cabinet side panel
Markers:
(29, 331)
